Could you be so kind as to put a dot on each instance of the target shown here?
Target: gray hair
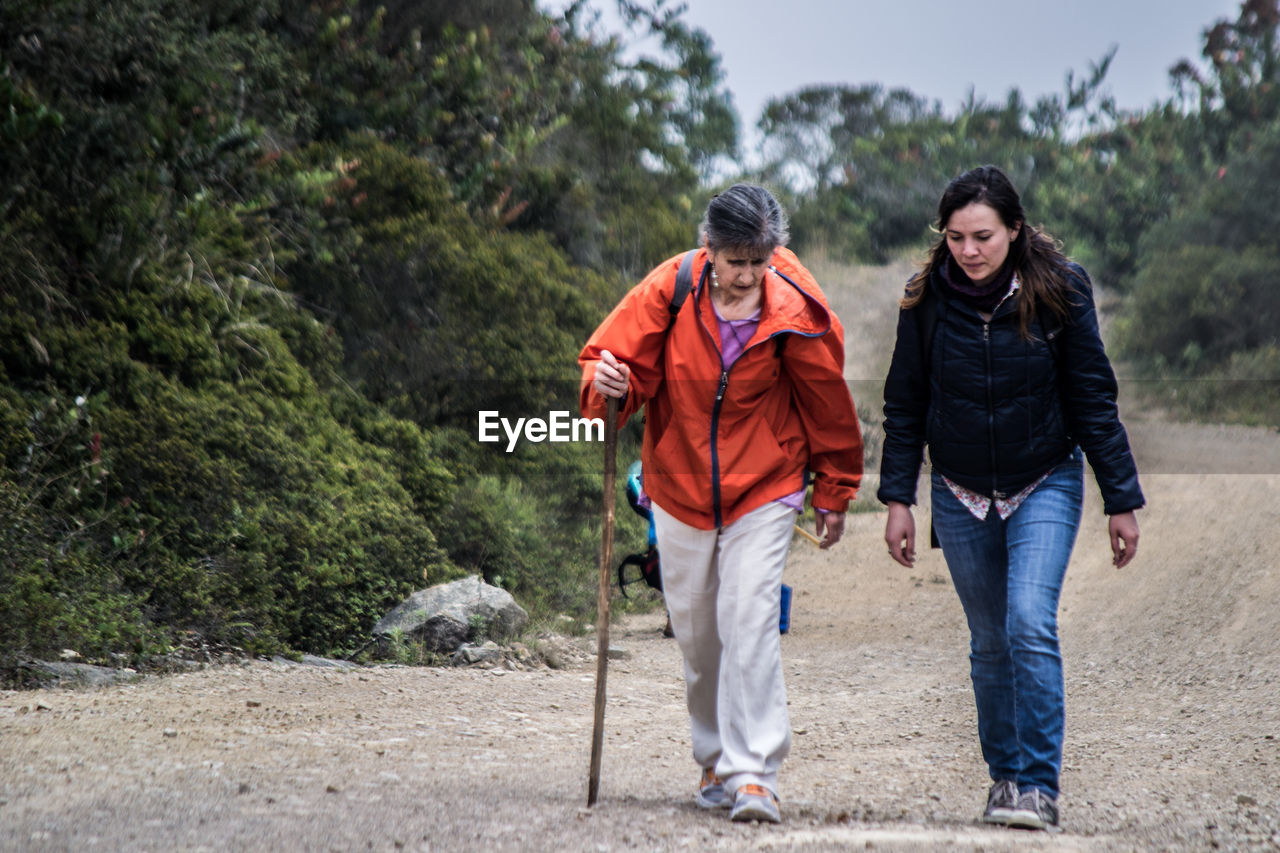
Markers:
(745, 216)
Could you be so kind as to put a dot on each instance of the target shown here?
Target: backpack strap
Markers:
(684, 284)
(926, 311)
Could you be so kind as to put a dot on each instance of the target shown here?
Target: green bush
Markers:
(1204, 306)
(264, 263)
(57, 587)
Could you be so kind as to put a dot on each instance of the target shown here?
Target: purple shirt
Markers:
(734, 335)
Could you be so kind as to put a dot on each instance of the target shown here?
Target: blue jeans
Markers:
(1008, 574)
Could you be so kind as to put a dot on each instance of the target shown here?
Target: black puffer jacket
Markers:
(991, 407)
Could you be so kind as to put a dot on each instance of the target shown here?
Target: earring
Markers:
(715, 282)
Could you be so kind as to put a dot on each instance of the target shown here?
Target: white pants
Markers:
(722, 591)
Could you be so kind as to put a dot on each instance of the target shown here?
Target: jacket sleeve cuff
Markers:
(822, 503)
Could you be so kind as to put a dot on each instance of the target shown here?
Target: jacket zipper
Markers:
(715, 417)
(715, 422)
(715, 442)
(991, 408)
(991, 418)
(717, 510)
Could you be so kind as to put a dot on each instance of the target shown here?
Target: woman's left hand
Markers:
(830, 522)
(1123, 528)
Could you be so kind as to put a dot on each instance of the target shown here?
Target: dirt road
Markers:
(1173, 729)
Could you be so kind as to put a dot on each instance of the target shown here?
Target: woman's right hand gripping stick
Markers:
(612, 376)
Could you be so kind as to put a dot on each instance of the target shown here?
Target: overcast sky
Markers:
(941, 48)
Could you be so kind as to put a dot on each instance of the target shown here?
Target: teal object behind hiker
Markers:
(639, 500)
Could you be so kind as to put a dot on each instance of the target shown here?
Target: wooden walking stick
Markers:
(807, 535)
(602, 600)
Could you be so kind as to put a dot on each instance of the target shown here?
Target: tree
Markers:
(239, 237)
(1205, 292)
(1243, 89)
(811, 137)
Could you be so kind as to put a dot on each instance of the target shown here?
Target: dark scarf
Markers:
(982, 298)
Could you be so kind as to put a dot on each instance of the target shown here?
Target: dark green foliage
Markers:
(264, 263)
(53, 501)
(442, 319)
(229, 497)
(1204, 311)
(436, 312)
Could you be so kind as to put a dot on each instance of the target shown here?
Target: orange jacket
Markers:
(719, 444)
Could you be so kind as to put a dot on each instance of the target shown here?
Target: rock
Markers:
(315, 660)
(560, 652)
(469, 654)
(553, 655)
(446, 616)
(327, 663)
(62, 674)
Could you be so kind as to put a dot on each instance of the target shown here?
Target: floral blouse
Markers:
(980, 505)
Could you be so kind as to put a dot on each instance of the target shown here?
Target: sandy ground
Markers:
(1173, 704)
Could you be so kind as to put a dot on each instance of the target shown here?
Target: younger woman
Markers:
(1000, 371)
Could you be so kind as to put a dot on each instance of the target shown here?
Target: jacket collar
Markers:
(786, 305)
(939, 290)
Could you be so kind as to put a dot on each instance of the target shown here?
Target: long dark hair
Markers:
(1036, 257)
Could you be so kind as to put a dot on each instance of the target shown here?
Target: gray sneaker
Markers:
(755, 802)
(1002, 799)
(711, 792)
(1035, 810)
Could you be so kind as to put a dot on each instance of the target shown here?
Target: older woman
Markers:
(746, 402)
(1000, 370)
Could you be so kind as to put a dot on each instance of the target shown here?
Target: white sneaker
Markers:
(711, 792)
(755, 802)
